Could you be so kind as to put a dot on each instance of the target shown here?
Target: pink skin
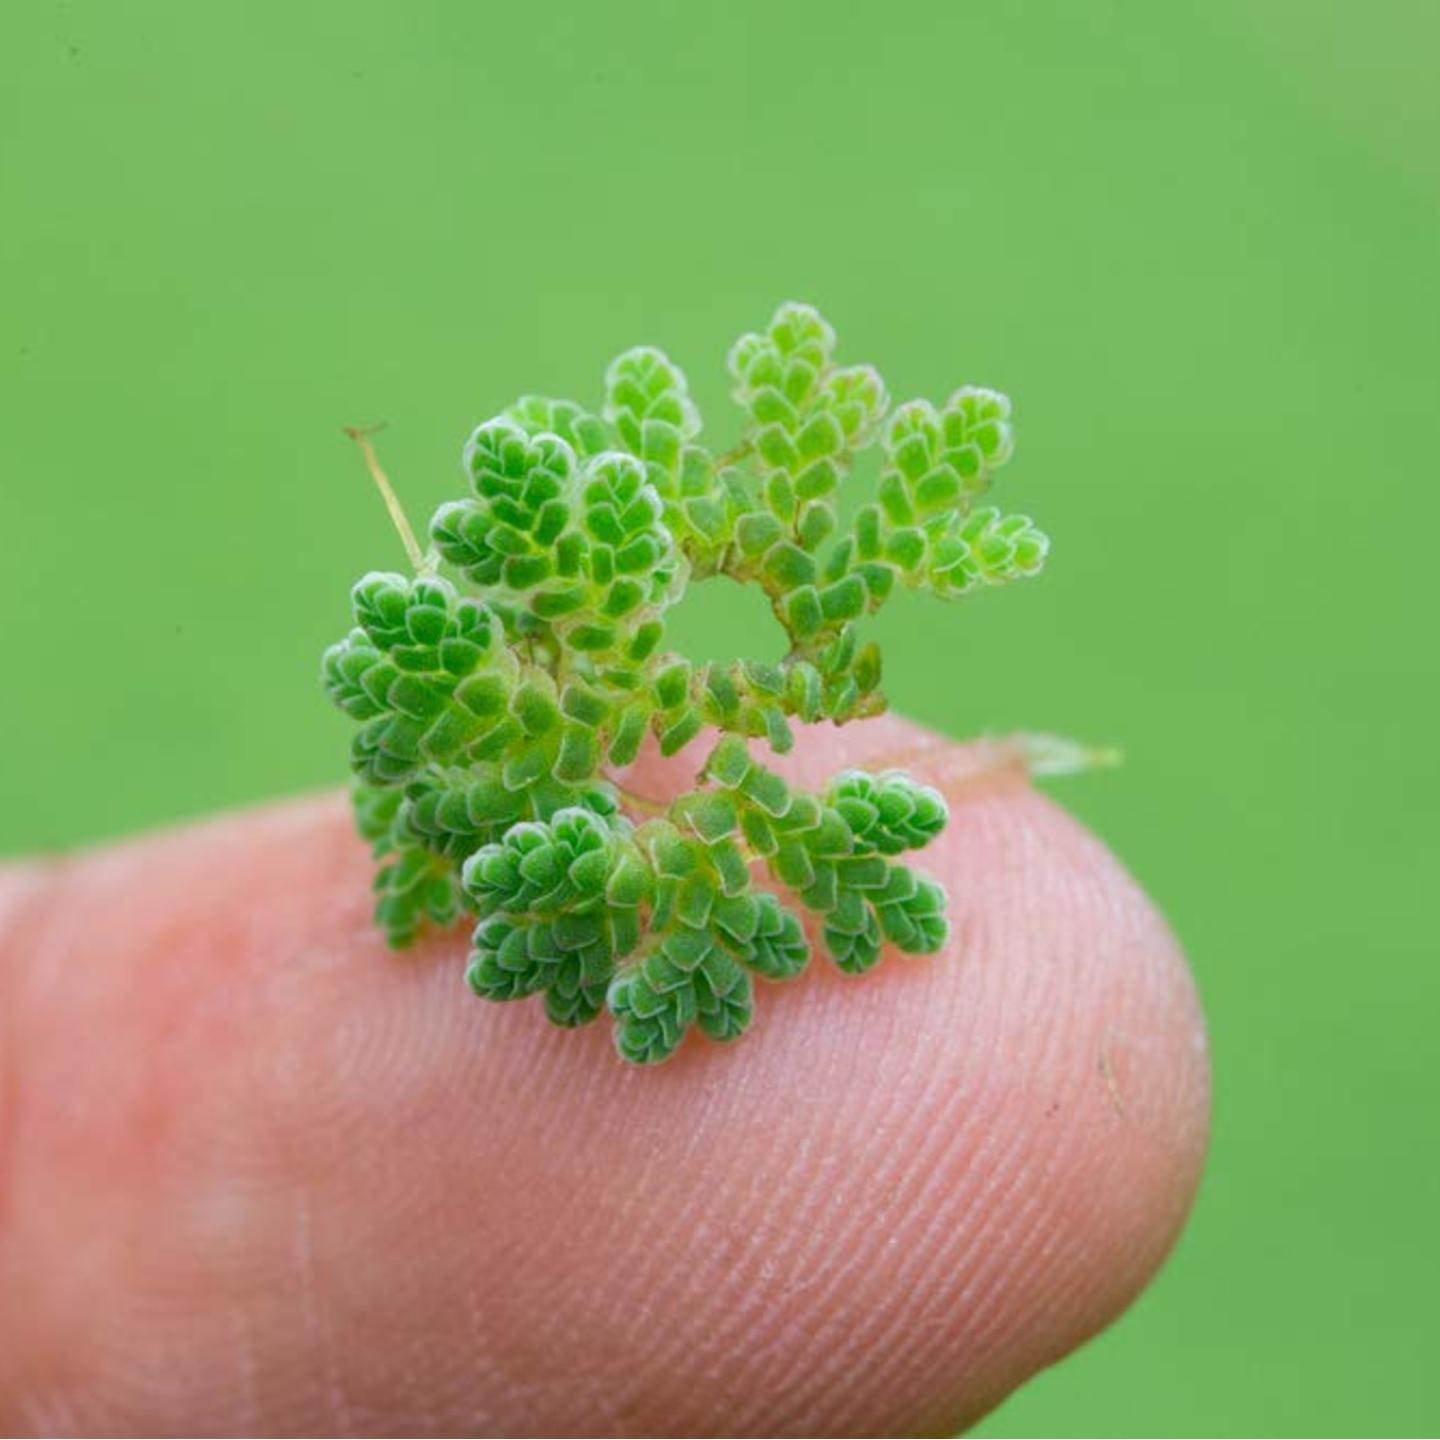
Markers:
(259, 1175)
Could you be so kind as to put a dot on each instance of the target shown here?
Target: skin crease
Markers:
(260, 1175)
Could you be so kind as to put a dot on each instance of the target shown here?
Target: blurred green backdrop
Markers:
(1199, 246)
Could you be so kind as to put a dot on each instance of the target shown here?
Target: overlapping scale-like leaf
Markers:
(582, 547)
(985, 548)
(630, 561)
(425, 670)
(484, 723)
(513, 532)
(541, 867)
(807, 417)
(559, 902)
(829, 851)
(569, 959)
(455, 811)
(807, 421)
(685, 979)
(889, 812)
(584, 433)
(941, 460)
(413, 884)
(921, 526)
(777, 949)
(648, 403)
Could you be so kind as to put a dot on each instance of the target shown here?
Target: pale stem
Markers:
(1060, 755)
(642, 803)
(361, 436)
(739, 452)
(954, 769)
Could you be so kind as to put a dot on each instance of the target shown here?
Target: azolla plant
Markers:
(496, 700)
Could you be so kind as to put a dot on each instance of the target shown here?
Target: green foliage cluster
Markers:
(490, 715)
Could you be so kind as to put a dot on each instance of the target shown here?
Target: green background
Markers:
(1198, 244)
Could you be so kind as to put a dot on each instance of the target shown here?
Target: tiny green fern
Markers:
(489, 713)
